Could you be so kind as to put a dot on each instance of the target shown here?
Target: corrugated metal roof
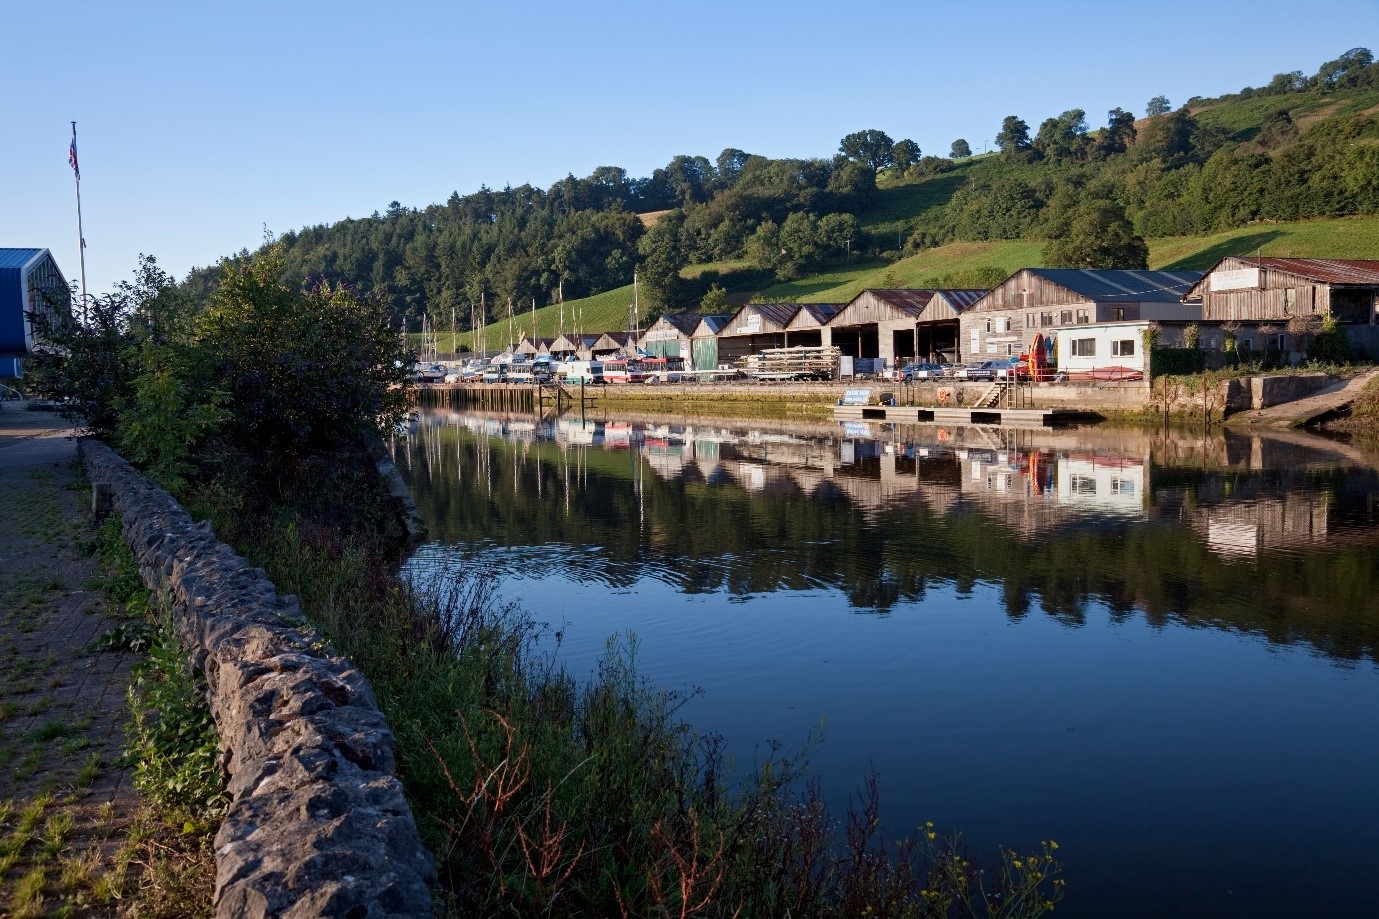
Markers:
(1105, 285)
(17, 258)
(715, 321)
(962, 299)
(779, 313)
(684, 323)
(1323, 270)
(907, 300)
(821, 313)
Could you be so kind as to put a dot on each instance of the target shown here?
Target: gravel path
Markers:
(62, 701)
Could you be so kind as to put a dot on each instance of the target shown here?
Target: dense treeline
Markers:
(1300, 147)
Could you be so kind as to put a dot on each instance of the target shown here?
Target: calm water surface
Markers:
(1159, 650)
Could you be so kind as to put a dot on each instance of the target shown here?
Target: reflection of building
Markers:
(1110, 483)
(1248, 528)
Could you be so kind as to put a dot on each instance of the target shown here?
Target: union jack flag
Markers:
(72, 158)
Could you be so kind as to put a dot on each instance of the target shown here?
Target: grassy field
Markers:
(1348, 237)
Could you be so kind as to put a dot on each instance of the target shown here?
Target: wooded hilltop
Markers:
(1297, 148)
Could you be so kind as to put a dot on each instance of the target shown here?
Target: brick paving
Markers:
(62, 699)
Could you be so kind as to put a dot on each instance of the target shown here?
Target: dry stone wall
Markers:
(317, 823)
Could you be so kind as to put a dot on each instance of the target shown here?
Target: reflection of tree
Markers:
(720, 537)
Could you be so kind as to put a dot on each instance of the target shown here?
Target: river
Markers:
(1159, 649)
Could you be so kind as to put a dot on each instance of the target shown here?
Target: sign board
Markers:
(1240, 279)
(752, 327)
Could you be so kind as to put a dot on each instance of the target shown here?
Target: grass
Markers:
(542, 795)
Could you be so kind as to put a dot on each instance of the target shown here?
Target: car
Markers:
(1017, 367)
(980, 370)
(921, 370)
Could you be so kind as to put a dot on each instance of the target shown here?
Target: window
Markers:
(1084, 347)
(1290, 297)
(1082, 484)
(988, 325)
(1118, 314)
(1065, 317)
(1123, 487)
(1084, 317)
(1046, 319)
(1004, 324)
(1123, 348)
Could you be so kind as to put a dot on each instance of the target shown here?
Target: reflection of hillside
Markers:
(1054, 520)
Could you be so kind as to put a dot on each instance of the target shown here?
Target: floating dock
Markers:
(994, 416)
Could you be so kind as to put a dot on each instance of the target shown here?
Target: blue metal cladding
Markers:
(29, 280)
(11, 368)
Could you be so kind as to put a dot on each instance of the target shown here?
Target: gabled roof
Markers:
(684, 323)
(714, 322)
(1109, 285)
(18, 258)
(914, 303)
(778, 314)
(812, 314)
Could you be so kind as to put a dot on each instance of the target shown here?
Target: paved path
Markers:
(62, 703)
(1301, 411)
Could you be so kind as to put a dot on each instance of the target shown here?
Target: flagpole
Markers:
(81, 236)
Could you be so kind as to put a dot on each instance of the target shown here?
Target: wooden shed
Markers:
(898, 325)
(807, 328)
(753, 328)
(613, 344)
(704, 340)
(670, 336)
(1269, 293)
(1032, 300)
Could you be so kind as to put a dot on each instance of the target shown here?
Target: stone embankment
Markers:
(317, 823)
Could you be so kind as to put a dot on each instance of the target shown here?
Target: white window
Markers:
(1123, 348)
(1084, 347)
(1082, 485)
(1084, 317)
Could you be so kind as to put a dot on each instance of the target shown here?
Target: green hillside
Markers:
(1350, 237)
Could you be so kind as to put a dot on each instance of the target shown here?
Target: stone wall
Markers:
(317, 823)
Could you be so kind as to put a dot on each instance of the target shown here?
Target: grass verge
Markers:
(542, 795)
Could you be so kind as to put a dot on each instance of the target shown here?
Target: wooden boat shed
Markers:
(899, 325)
(1269, 292)
(704, 340)
(754, 328)
(670, 336)
(807, 328)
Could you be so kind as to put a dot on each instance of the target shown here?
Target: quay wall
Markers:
(317, 823)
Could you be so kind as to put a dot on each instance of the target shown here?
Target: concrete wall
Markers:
(1267, 391)
(317, 823)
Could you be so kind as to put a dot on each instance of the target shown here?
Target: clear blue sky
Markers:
(199, 124)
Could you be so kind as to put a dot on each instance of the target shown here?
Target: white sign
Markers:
(753, 325)
(1239, 279)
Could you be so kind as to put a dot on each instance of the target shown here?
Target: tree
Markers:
(960, 149)
(1344, 70)
(1119, 133)
(715, 301)
(872, 148)
(905, 154)
(1159, 105)
(1063, 138)
(1014, 138)
(663, 256)
(1096, 235)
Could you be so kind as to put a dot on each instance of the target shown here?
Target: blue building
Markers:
(30, 284)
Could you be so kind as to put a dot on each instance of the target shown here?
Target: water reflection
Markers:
(1270, 535)
(1158, 649)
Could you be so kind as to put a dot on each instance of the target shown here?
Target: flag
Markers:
(72, 159)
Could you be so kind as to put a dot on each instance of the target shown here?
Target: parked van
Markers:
(581, 372)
